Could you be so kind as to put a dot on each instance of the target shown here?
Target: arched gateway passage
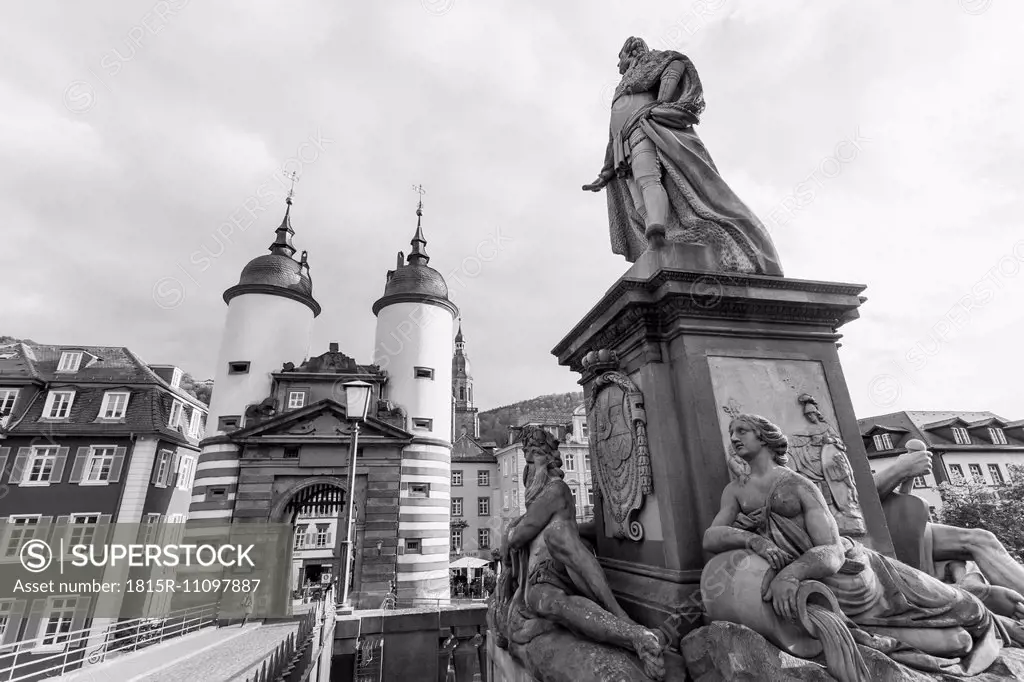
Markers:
(316, 510)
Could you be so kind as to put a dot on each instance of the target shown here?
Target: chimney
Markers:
(334, 346)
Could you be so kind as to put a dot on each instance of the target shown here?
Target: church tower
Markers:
(415, 321)
(466, 419)
(269, 320)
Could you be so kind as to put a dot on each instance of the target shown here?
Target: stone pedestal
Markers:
(698, 345)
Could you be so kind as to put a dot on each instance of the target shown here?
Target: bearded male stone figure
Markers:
(662, 184)
(552, 596)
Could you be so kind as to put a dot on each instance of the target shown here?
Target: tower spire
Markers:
(419, 244)
(283, 242)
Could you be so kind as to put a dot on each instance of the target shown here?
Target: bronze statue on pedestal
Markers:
(662, 184)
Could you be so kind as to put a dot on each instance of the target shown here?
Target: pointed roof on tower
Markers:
(277, 273)
(416, 281)
(283, 242)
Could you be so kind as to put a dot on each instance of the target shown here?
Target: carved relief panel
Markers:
(794, 394)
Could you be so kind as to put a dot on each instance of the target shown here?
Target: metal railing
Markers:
(395, 602)
(36, 659)
(293, 659)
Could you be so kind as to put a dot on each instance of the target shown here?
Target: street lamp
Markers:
(357, 401)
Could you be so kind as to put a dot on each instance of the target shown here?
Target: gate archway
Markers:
(316, 509)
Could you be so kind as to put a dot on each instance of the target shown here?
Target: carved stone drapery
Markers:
(618, 427)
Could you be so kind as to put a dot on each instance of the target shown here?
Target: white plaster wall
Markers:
(418, 335)
(982, 458)
(267, 331)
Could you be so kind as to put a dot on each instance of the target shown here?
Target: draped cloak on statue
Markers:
(876, 591)
(704, 208)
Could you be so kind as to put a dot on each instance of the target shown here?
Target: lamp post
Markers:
(357, 400)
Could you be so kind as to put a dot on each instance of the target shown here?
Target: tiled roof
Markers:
(103, 368)
(919, 423)
(926, 417)
(16, 360)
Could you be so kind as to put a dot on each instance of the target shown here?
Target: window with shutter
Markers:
(162, 468)
(98, 465)
(20, 529)
(11, 613)
(56, 624)
(43, 465)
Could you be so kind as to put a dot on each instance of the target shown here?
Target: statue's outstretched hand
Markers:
(770, 552)
(597, 185)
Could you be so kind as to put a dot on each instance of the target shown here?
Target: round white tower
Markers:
(415, 322)
(269, 321)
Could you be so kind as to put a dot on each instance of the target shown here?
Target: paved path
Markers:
(209, 655)
(234, 660)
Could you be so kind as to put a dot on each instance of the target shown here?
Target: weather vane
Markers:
(294, 178)
(419, 190)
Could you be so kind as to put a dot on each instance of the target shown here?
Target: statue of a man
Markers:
(661, 181)
(550, 578)
(820, 455)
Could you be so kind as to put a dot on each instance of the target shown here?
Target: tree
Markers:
(4, 340)
(995, 508)
(202, 390)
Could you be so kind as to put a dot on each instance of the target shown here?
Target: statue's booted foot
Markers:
(648, 648)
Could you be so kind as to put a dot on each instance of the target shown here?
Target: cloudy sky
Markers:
(881, 144)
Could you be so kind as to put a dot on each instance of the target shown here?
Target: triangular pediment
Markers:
(465, 446)
(946, 424)
(884, 428)
(324, 419)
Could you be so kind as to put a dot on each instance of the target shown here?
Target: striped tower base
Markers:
(218, 465)
(424, 574)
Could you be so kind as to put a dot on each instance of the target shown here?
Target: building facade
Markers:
(281, 436)
(475, 520)
(976, 445)
(316, 534)
(90, 436)
(571, 431)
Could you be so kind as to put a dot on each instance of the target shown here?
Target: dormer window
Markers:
(176, 378)
(995, 433)
(961, 436)
(115, 404)
(176, 411)
(58, 404)
(195, 423)
(883, 441)
(423, 372)
(8, 396)
(69, 361)
(296, 399)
